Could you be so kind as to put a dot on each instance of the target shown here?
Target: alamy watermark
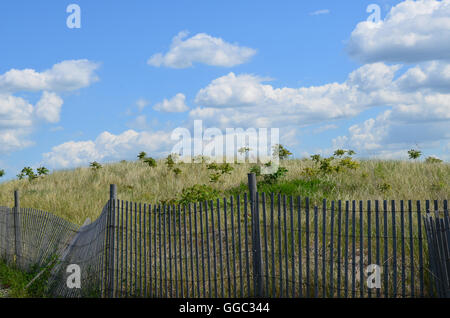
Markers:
(74, 19)
(374, 278)
(375, 9)
(74, 279)
(235, 146)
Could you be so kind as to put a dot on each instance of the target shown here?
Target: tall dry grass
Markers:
(81, 193)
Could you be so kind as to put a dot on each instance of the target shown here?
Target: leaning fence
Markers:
(438, 235)
(254, 245)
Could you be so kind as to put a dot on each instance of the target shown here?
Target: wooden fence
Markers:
(438, 235)
(255, 245)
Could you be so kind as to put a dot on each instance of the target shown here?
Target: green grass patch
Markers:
(14, 281)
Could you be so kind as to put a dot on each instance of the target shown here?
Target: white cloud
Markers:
(174, 105)
(420, 109)
(319, 12)
(201, 48)
(13, 140)
(433, 75)
(65, 76)
(244, 100)
(107, 147)
(16, 119)
(15, 112)
(18, 116)
(389, 135)
(413, 31)
(49, 107)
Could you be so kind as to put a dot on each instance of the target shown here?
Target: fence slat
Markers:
(346, 249)
(233, 247)
(307, 247)
(419, 234)
(207, 250)
(394, 250)
(214, 248)
(385, 241)
(300, 263)
(222, 285)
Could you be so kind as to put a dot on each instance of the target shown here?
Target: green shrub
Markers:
(433, 160)
(95, 165)
(275, 177)
(142, 155)
(170, 162)
(281, 152)
(150, 161)
(177, 171)
(414, 154)
(198, 193)
(42, 171)
(27, 172)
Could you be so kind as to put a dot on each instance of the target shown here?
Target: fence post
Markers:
(256, 238)
(109, 268)
(17, 234)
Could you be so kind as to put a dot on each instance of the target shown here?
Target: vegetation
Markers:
(95, 166)
(82, 192)
(150, 162)
(433, 160)
(414, 154)
(13, 282)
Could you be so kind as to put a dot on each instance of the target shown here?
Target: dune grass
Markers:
(82, 192)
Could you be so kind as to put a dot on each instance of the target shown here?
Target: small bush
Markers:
(27, 172)
(42, 171)
(177, 171)
(170, 162)
(433, 160)
(275, 177)
(414, 154)
(95, 166)
(142, 155)
(198, 193)
(150, 161)
(281, 152)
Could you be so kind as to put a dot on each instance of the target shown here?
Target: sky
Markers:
(119, 77)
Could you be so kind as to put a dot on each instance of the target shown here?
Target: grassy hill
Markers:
(82, 192)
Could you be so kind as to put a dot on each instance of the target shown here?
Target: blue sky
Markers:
(136, 70)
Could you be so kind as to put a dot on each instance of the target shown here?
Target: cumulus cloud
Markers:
(418, 103)
(17, 115)
(106, 147)
(65, 76)
(201, 48)
(16, 119)
(246, 100)
(174, 105)
(413, 31)
(433, 75)
(49, 107)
